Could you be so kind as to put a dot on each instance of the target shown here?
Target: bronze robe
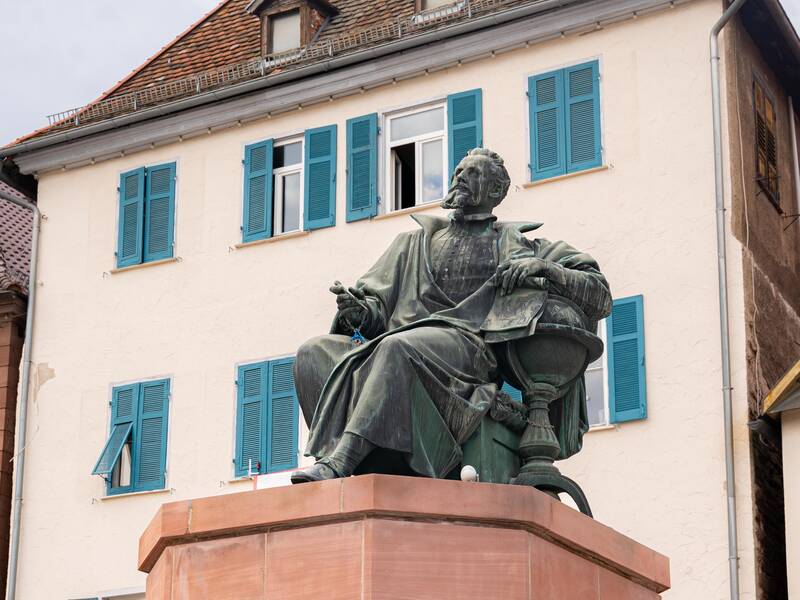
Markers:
(428, 375)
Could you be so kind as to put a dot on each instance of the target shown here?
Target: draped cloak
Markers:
(445, 404)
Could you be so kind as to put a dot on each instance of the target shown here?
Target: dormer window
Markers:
(287, 25)
(283, 32)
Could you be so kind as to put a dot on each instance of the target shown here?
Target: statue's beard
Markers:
(460, 196)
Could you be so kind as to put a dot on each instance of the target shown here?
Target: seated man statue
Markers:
(409, 365)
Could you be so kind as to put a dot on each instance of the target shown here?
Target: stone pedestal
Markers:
(384, 537)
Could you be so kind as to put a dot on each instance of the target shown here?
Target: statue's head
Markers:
(480, 182)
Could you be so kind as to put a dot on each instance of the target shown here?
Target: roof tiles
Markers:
(15, 243)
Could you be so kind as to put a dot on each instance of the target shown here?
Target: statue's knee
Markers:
(310, 351)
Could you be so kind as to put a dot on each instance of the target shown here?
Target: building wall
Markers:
(648, 218)
(770, 246)
(790, 426)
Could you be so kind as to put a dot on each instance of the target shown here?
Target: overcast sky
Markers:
(60, 54)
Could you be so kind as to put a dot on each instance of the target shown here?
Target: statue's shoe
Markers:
(316, 472)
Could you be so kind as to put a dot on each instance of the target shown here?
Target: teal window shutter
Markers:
(257, 212)
(626, 361)
(159, 212)
(547, 128)
(362, 167)
(320, 178)
(582, 91)
(283, 417)
(124, 406)
(131, 218)
(251, 412)
(150, 443)
(464, 125)
(512, 391)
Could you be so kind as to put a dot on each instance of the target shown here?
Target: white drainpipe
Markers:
(19, 456)
(722, 272)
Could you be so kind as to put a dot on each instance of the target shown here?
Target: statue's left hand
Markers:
(511, 274)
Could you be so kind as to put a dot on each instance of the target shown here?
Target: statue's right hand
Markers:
(345, 301)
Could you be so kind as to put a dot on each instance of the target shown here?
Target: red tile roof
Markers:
(15, 243)
(230, 37)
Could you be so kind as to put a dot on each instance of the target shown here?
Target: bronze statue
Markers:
(422, 343)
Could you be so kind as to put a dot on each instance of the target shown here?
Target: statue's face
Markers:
(471, 185)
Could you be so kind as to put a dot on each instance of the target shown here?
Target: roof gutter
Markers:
(722, 275)
(22, 419)
(288, 76)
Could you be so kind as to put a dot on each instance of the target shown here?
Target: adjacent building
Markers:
(198, 212)
(15, 243)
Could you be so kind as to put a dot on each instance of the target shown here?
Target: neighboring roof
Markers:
(15, 242)
(786, 394)
(224, 48)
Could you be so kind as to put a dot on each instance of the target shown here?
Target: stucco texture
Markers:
(648, 219)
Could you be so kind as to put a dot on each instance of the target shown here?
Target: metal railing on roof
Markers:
(228, 75)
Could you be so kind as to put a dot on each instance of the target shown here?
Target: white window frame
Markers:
(279, 176)
(603, 366)
(390, 205)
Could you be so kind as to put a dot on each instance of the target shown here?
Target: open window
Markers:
(287, 186)
(417, 155)
(596, 379)
(133, 458)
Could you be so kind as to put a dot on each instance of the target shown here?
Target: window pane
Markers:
(287, 155)
(429, 4)
(284, 31)
(291, 202)
(432, 171)
(419, 123)
(595, 397)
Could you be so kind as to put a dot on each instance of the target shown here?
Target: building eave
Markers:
(786, 394)
(325, 80)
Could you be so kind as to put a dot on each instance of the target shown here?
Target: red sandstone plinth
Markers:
(379, 537)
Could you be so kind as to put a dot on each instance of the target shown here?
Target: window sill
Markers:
(270, 240)
(152, 263)
(407, 211)
(129, 494)
(531, 184)
(602, 428)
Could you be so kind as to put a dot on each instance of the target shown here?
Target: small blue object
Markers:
(357, 338)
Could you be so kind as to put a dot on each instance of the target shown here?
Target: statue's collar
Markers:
(431, 224)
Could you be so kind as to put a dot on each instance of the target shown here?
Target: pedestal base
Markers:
(382, 537)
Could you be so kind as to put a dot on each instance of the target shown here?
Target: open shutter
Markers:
(150, 447)
(582, 90)
(464, 125)
(257, 213)
(159, 212)
(362, 167)
(626, 366)
(250, 419)
(124, 402)
(320, 177)
(131, 218)
(546, 107)
(283, 417)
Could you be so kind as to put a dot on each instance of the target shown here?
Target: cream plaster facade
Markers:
(648, 218)
(790, 429)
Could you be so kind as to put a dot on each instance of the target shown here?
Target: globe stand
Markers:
(539, 449)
